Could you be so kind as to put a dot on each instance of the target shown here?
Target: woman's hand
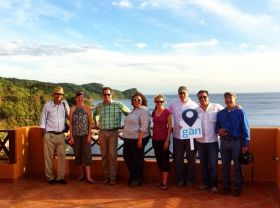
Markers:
(89, 139)
(166, 144)
(71, 140)
(139, 144)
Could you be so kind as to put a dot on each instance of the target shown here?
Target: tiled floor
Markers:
(32, 192)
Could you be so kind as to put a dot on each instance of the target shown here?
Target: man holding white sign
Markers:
(182, 145)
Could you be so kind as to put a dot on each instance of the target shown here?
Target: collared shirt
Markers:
(109, 115)
(176, 108)
(53, 116)
(208, 122)
(137, 120)
(236, 123)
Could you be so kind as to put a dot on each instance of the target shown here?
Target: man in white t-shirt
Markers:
(208, 146)
(180, 147)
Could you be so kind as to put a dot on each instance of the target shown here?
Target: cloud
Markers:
(141, 45)
(148, 4)
(19, 48)
(264, 25)
(122, 4)
(274, 5)
(193, 45)
(151, 73)
(241, 20)
(27, 12)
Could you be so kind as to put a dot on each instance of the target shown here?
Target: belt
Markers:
(110, 129)
(54, 132)
(229, 139)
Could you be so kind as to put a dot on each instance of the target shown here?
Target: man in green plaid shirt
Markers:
(107, 116)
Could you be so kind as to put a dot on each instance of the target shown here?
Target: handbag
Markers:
(66, 126)
(246, 158)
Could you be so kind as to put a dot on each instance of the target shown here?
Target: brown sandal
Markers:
(80, 179)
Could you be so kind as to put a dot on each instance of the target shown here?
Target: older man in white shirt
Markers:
(207, 146)
(52, 122)
(182, 146)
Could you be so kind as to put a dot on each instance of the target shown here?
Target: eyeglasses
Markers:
(106, 94)
(139, 100)
(202, 97)
(182, 93)
(159, 101)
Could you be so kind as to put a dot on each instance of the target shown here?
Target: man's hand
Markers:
(223, 132)
(244, 149)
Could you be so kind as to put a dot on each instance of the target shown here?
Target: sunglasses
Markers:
(202, 97)
(182, 93)
(159, 101)
(139, 100)
(106, 94)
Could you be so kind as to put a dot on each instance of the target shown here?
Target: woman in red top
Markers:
(161, 134)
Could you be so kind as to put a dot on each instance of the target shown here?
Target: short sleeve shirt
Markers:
(160, 125)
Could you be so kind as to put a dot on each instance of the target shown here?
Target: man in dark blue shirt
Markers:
(233, 128)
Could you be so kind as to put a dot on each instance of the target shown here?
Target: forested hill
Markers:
(21, 101)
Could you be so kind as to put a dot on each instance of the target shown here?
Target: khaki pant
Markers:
(54, 143)
(108, 141)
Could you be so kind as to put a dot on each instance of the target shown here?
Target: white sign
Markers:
(190, 126)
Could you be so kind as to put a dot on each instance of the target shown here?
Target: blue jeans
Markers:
(208, 155)
(230, 150)
(180, 147)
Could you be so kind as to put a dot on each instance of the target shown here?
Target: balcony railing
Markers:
(8, 146)
(148, 152)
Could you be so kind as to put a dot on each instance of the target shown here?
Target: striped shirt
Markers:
(53, 116)
(109, 115)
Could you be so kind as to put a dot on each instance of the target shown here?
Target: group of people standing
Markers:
(230, 123)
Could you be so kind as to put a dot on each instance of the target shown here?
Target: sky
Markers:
(153, 45)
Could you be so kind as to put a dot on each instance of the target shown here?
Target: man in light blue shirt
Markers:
(233, 127)
(52, 123)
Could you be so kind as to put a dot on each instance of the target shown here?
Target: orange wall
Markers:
(265, 144)
(36, 150)
(278, 159)
(13, 171)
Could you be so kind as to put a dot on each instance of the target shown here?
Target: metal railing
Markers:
(8, 146)
(148, 152)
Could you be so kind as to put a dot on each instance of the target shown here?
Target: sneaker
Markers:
(51, 181)
(236, 192)
(203, 188)
(112, 182)
(180, 183)
(62, 181)
(214, 189)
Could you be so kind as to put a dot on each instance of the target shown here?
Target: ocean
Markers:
(262, 108)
